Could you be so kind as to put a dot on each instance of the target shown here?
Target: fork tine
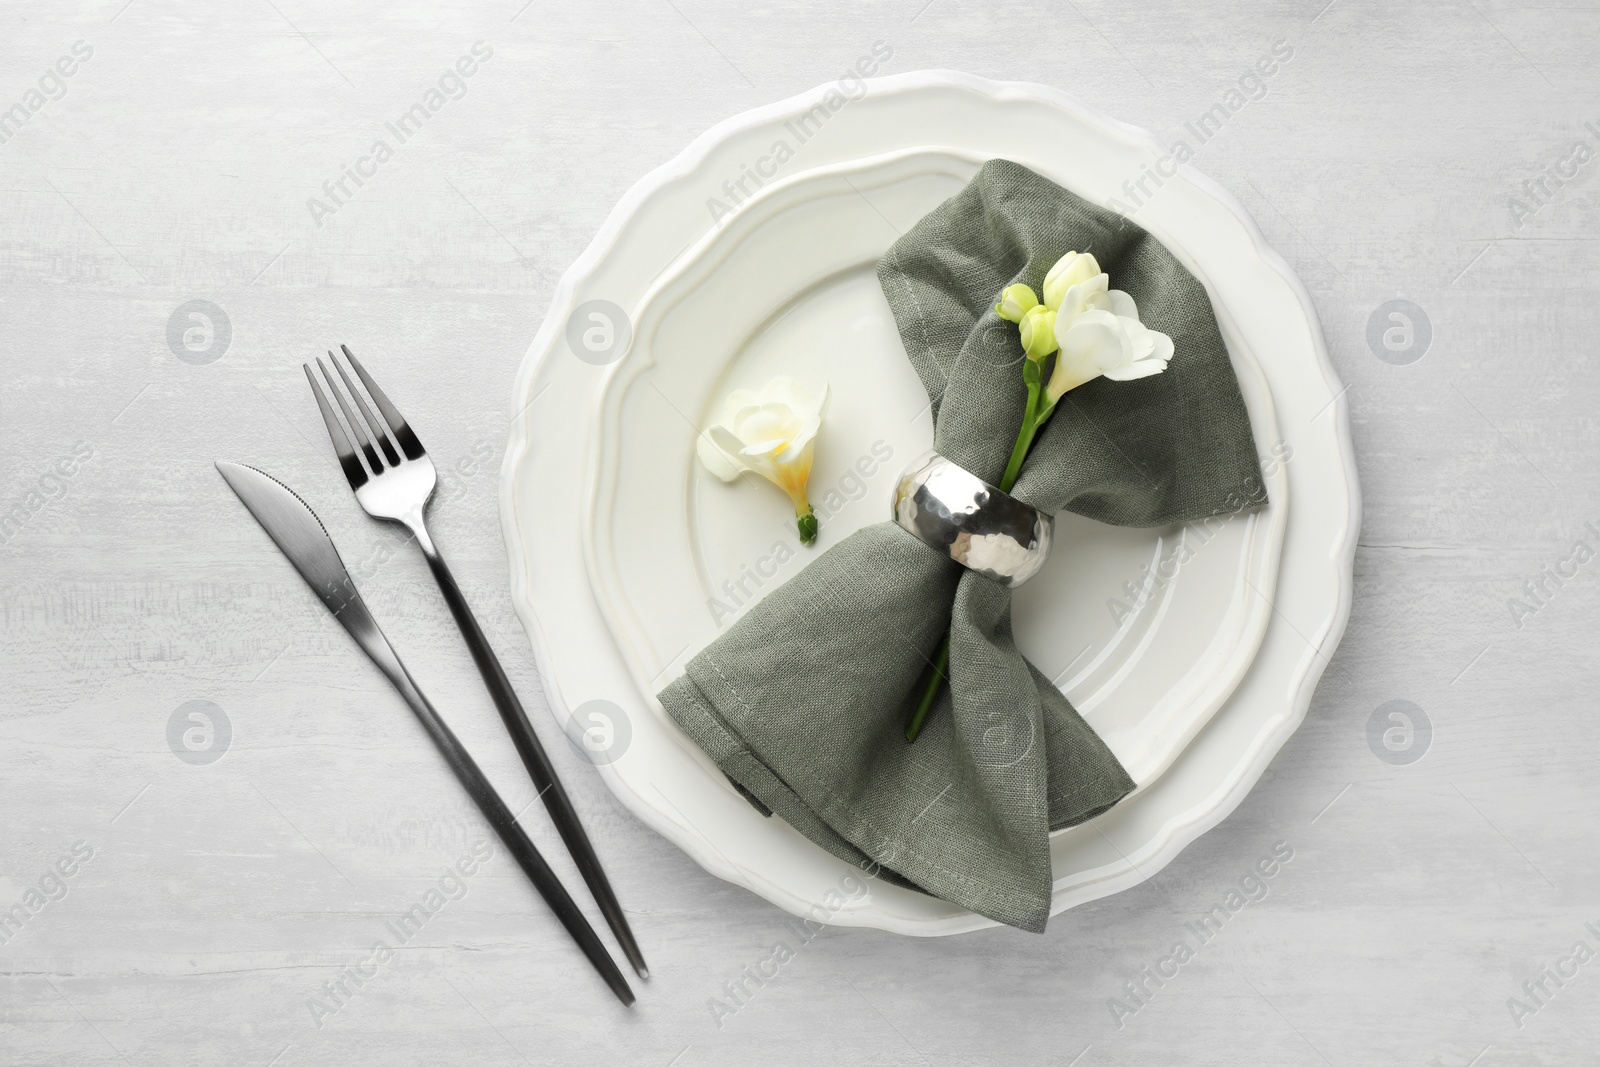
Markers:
(361, 435)
(354, 472)
(379, 431)
(402, 430)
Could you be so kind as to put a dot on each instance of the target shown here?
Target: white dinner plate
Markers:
(619, 546)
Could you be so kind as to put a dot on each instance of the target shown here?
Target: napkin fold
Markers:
(803, 702)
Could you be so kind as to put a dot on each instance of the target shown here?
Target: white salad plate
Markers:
(1192, 650)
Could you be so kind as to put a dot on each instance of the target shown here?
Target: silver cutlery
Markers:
(301, 536)
(394, 479)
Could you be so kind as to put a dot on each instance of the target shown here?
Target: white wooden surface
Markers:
(218, 900)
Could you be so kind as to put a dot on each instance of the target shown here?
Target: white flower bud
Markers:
(1015, 302)
(1038, 330)
(1069, 270)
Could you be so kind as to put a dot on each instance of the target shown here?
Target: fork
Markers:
(396, 482)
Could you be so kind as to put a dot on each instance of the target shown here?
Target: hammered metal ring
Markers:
(974, 523)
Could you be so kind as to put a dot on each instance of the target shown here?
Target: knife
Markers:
(296, 529)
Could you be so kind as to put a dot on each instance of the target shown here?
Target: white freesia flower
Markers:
(1071, 269)
(1077, 284)
(1095, 294)
(771, 432)
(1097, 328)
(1099, 343)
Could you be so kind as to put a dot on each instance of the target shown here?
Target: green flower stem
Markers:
(1030, 428)
(925, 705)
(1038, 412)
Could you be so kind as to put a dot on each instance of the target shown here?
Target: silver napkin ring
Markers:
(979, 526)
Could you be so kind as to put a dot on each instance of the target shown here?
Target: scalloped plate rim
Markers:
(1340, 554)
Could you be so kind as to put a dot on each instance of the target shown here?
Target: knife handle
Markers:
(361, 625)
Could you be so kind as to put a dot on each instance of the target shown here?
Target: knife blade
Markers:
(299, 533)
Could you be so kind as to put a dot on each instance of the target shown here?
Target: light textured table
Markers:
(219, 900)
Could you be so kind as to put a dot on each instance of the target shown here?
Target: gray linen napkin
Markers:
(803, 702)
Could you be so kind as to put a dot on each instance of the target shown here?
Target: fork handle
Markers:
(534, 757)
(355, 618)
(524, 851)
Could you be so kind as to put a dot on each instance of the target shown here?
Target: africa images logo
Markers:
(850, 86)
(451, 85)
(1251, 86)
(52, 86)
